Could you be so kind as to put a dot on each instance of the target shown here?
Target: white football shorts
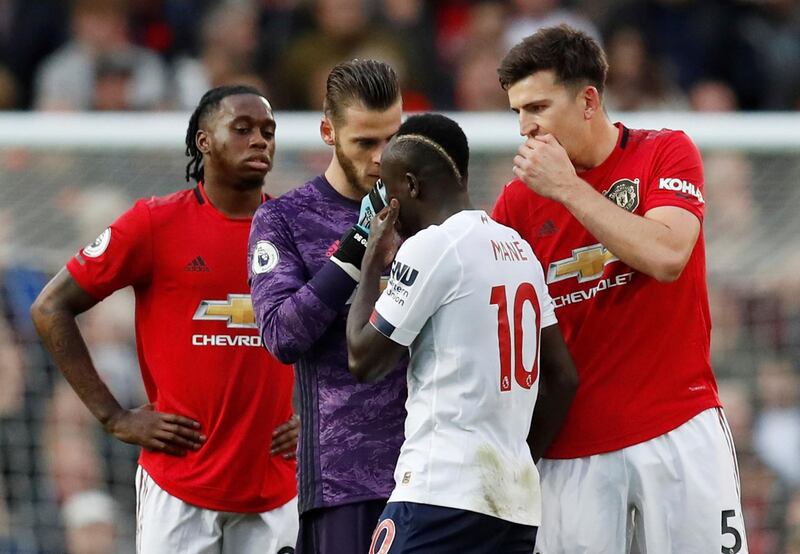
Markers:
(675, 494)
(168, 525)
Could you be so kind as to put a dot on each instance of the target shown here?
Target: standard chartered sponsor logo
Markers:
(582, 295)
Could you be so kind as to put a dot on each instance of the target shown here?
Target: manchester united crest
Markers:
(624, 193)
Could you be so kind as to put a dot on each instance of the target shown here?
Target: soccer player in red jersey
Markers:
(217, 469)
(615, 216)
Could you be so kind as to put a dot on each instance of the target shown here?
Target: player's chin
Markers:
(249, 179)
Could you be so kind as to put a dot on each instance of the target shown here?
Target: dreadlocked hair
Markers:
(209, 102)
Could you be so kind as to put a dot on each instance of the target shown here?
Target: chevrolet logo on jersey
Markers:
(587, 263)
(237, 310)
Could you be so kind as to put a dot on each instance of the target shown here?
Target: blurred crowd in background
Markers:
(65, 486)
(162, 54)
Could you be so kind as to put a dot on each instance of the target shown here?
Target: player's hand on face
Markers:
(543, 164)
(157, 431)
(384, 241)
(284, 438)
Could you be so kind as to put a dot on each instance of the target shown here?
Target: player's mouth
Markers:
(259, 163)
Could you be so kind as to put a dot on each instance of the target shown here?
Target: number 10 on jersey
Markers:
(525, 293)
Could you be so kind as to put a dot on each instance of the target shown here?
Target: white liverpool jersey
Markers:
(470, 299)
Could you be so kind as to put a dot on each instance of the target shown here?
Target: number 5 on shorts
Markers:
(730, 530)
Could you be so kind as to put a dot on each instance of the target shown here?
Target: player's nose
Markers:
(527, 128)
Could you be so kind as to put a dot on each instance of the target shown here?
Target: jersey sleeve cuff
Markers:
(548, 320)
(395, 334)
(333, 285)
(73, 267)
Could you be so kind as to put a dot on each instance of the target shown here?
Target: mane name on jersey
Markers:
(508, 251)
(681, 185)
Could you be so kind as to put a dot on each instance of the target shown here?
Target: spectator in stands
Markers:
(89, 523)
(791, 524)
(637, 80)
(733, 220)
(414, 21)
(342, 30)
(29, 32)
(528, 16)
(65, 80)
(9, 89)
(229, 37)
(776, 435)
(168, 27)
(771, 30)
(473, 91)
(711, 95)
(113, 76)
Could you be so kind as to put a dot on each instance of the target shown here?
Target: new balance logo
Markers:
(198, 264)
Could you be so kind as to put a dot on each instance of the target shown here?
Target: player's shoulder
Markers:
(436, 241)
(161, 208)
(290, 204)
(175, 201)
(430, 243)
(660, 138)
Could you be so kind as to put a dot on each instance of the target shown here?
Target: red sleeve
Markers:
(121, 256)
(500, 212)
(677, 176)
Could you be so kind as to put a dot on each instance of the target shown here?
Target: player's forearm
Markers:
(61, 337)
(363, 362)
(291, 326)
(558, 384)
(644, 244)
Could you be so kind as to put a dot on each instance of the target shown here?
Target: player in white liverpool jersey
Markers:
(469, 298)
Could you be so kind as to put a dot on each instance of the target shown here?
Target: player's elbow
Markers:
(281, 351)
(46, 303)
(669, 269)
(358, 368)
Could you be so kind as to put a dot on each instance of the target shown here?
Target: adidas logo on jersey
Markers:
(681, 185)
(547, 229)
(198, 264)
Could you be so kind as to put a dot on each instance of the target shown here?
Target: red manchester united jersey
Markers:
(199, 349)
(641, 347)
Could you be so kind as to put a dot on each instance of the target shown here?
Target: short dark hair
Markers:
(441, 131)
(574, 56)
(368, 82)
(209, 102)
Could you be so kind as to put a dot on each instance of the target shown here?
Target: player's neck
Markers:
(603, 141)
(340, 183)
(446, 210)
(237, 203)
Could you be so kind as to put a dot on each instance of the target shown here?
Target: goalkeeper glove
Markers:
(352, 247)
(371, 205)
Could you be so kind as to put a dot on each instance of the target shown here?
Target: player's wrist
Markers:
(573, 192)
(111, 422)
(371, 205)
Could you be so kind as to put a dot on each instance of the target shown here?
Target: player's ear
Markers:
(591, 102)
(326, 131)
(413, 185)
(201, 140)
